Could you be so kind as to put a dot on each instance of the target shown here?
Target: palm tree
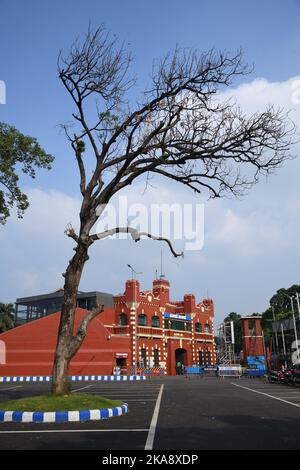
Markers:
(6, 317)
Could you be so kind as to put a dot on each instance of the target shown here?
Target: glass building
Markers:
(38, 306)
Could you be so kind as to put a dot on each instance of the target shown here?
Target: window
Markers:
(167, 324)
(143, 358)
(206, 328)
(155, 321)
(208, 358)
(123, 319)
(177, 325)
(200, 358)
(142, 320)
(252, 327)
(198, 327)
(188, 327)
(155, 358)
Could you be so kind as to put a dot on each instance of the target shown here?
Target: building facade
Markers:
(164, 333)
(143, 329)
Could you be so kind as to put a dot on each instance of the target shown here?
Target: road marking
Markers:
(291, 396)
(156, 389)
(285, 390)
(124, 393)
(103, 390)
(152, 429)
(82, 388)
(72, 431)
(266, 395)
(10, 388)
(120, 392)
(146, 399)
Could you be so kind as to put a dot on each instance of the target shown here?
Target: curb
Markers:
(75, 378)
(61, 416)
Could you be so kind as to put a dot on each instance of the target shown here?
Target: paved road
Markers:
(168, 414)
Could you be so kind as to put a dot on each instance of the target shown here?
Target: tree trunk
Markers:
(64, 348)
(60, 384)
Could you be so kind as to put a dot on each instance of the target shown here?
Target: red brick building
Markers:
(163, 332)
(144, 329)
(252, 337)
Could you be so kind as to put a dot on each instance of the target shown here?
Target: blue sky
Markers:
(240, 276)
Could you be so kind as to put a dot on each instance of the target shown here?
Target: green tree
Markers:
(6, 317)
(280, 308)
(18, 153)
(237, 325)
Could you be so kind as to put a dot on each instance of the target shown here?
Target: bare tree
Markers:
(181, 129)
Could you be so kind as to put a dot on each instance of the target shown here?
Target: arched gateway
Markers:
(180, 360)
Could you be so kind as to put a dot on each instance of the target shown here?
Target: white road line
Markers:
(280, 390)
(127, 389)
(283, 391)
(156, 390)
(152, 429)
(146, 399)
(124, 394)
(10, 388)
(72, 430)
(82, 388)
(291, 396)
(267, 395)
(135, 392)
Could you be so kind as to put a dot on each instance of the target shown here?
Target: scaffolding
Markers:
(225, 353)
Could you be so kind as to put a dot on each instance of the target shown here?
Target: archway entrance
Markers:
(180, 360)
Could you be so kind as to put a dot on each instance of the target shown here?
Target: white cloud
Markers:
(49, 213)
(256, 95)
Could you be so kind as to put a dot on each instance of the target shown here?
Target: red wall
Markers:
(30, 347)
(252, 345)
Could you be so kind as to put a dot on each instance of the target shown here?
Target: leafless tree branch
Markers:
(135, 235)
(82, 330)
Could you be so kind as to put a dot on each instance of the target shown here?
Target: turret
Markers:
(132, 291)
(189, 303)
(161, 289)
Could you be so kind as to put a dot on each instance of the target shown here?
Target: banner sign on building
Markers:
(177, 316)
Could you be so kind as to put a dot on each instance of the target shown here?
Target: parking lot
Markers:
(169, 413)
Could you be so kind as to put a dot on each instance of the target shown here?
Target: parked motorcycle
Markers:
(276, 376)
(292, 375)
(288, 376)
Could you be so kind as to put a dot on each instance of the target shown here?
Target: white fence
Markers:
(230, 370)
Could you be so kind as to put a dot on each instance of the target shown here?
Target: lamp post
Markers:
(276, 336)
(283, 343)
(295, 328)
(298, 304)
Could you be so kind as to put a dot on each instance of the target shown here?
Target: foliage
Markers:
(6, 317)
(18, 153)
(237, 325)
(280, 303)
